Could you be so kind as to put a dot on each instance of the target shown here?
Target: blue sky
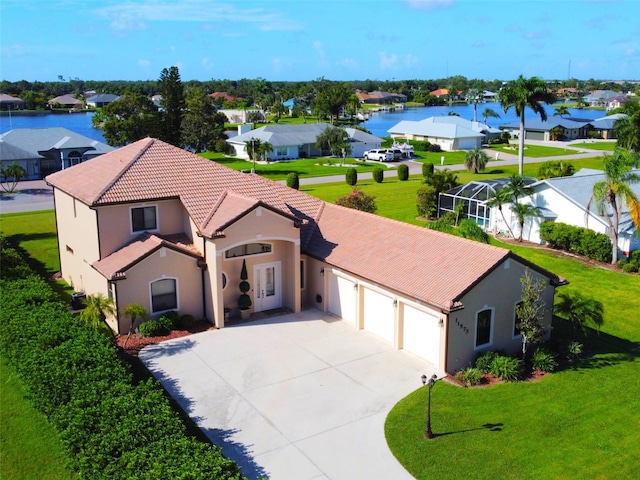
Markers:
(307, 39)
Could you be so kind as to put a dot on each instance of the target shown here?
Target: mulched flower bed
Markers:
(137, 343)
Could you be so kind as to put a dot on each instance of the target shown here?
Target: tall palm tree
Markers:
(612, 193)
(474, 97)
(265, 149)
(580, 310)
(475, 159)
(98, 307)
(627, 129)
(518, 187)
(520, 94)
(489, 112)
(561, 111)
(498, 198)
(524, 211)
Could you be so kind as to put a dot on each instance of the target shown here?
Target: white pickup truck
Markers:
(381, 155)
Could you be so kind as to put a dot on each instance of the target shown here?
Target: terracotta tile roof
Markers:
(430, 266)
(150, 169)
(114, 266)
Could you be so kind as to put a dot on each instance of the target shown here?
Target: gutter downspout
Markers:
(203, 280)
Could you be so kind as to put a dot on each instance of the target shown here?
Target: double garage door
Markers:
(420, 332)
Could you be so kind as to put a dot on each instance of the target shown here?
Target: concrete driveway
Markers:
(298, 396)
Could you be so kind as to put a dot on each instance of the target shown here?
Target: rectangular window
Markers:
(281, 152)
(143, 218)
(301, 274)
(483, 328)
(163, 295)
(248, 249)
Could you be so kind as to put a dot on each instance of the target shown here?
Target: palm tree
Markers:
(523, 211)
(265, 149)
(615, 191)
(489, 112)
(475, 159)
(134, 311)
(627, 129)
(561, 111)
(500, 197)
(520, 94)
(474, 97)
(518, 187)
(98, 307)
(580, 310)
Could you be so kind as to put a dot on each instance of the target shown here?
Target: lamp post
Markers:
(430, 383)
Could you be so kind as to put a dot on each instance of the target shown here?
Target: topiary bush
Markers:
(378, 174)
(186, 322)
(427, 169)
(293, 180)
(403, 172)
(351, 176)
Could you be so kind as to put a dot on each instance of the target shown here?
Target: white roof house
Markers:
(562, 199)
(450, 132)
(298, 141)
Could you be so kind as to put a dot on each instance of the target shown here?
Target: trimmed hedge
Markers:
(351, 176)
(403, 172)
(110, 427)
(293, 180)
(579, 240)
(378, 174)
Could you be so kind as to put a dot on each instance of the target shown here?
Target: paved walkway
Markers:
(294, 397)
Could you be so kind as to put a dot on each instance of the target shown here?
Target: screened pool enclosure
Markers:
(474, 196)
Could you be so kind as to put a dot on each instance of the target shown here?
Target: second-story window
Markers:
(143, 218)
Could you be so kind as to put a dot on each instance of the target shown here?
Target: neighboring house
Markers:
(599, 98)
(450, 132)
(299, 141)
(223, 97)
(102, 99)
(7, 102)
(440, 92)
(240, 117)
(558, 128)
(561, 199)
(616, 102)
(489, 96)
(41, 151)
(157, 101)
(65, 101)
(170, 230)
(377, 97)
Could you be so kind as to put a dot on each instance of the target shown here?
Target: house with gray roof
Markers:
(558, 128)
(102, 99)
(450, 132)
(299, 141)
(7, 102)
(41, 151)
(65, 101)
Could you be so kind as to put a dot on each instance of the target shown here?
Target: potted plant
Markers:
(244, 300)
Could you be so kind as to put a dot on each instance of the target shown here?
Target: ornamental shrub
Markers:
(506, 368)
(293, 180)
(543, 360)
(155, 327)
(358, 200)
(434, 147)
(469, 376)
(471, 230)
(378, 174)
(427, 169)
(403, 172)
(172, 317)
(484, 360)
(579, 240)
(351, 176)
(186, 322)
(427, 201)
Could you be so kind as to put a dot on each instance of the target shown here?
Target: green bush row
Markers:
(111, 427)
(579, 240)
(631, 264)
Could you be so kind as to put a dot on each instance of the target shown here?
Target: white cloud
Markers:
(387, 61)
(429, 4)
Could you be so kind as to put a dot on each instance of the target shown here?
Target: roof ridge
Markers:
(127, 166)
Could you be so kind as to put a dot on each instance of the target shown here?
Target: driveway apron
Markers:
(298, 396)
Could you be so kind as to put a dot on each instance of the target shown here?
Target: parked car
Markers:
(381, 155)
(396, 152)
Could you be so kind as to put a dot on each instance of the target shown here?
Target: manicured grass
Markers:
(605, 146)
(315, 167)
(533, 151)
(29, 446)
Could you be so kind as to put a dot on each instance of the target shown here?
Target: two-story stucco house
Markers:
(154, 224)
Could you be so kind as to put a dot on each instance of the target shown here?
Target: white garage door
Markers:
(467, 143)
(379, 314)
(342, 298)
(421, 335)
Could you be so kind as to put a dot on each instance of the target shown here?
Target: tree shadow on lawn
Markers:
(184, 406)
(600, 349)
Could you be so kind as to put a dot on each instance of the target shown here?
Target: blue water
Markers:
(378, 123)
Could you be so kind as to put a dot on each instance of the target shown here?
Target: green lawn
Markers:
(533, 151)
(29, 445)
(604, 146)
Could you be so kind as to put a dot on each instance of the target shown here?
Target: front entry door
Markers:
(267, 292)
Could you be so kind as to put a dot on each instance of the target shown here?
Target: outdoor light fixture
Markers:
(429, 383)
(322, 272)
